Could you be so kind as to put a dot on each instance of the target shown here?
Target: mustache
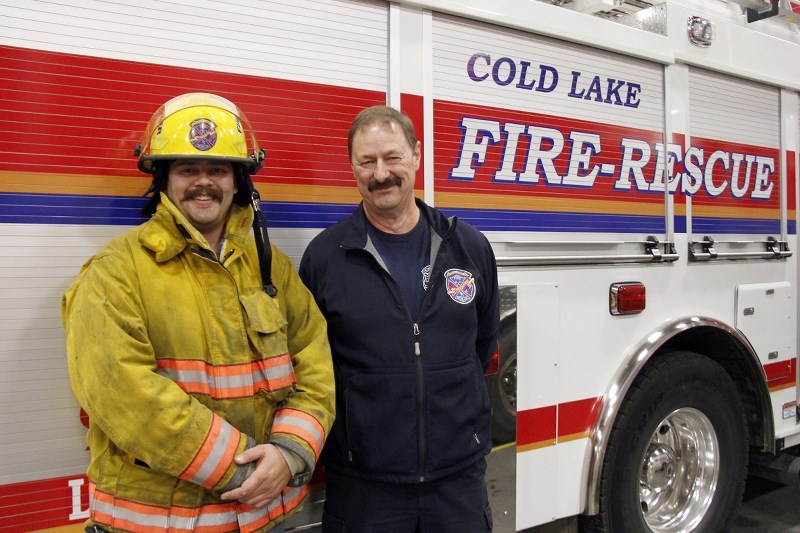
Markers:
(191, 194)
(391, 181)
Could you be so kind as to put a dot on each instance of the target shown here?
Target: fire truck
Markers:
(633, 164)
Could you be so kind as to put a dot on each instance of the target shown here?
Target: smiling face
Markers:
(203, 191)
(385, 168)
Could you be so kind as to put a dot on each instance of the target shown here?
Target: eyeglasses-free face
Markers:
(203, 191)
(385, 169)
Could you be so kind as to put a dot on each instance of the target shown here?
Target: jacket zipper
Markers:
(227, 256)
(420, 404)
(420, 380)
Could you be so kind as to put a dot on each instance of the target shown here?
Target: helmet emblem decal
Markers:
(203, 134)
(460, 285)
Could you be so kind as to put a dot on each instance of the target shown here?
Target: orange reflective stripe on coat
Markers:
(302, 425)
(217, 452)
(210, 518)
(242, 380)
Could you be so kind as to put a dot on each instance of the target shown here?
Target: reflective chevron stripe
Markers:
(215, 455)
(210, 518)
(229, 381)
(302, 425)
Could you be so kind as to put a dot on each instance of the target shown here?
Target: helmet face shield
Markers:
(200, 126)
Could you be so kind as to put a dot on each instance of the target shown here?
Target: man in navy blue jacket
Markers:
(411, 301)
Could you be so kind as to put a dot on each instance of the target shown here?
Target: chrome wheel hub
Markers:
(679, 472)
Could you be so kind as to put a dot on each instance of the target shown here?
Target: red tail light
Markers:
(494, 364)
(627, 298)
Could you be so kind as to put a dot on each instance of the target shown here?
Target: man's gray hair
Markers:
(381, 114)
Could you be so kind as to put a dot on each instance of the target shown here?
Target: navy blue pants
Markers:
(456, 504)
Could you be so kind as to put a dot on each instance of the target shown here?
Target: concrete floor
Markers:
(767, 507)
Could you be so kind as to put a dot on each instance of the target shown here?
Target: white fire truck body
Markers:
(637, 178)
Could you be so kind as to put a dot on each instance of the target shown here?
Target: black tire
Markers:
(677, 454)
(503, 387)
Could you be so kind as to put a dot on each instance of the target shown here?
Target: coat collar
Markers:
(168, 232)
(356, 236)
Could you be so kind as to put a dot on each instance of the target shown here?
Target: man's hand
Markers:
(267, 480)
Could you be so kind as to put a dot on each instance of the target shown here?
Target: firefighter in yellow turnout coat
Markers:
(190, 372)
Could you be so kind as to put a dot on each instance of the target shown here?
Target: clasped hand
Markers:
(268, 479)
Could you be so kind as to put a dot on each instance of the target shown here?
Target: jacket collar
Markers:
(356, 236)
(168, 232)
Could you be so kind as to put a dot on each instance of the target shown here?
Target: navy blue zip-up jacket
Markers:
(412, 403)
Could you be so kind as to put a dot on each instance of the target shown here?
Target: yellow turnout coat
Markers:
(182, 362)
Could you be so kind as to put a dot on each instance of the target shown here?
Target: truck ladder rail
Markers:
(653, 253)
(775, 249)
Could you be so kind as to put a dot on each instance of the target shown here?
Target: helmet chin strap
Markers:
(157, 184)
(262, 239)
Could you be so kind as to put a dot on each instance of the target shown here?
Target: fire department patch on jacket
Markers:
(460, 285)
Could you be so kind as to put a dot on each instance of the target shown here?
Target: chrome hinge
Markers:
(776, 247)
(652, 248)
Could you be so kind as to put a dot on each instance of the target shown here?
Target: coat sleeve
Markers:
(304, 419)
(132, 409)
(310, 276)
(489, 306)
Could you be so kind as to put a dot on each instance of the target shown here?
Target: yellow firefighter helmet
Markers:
(199, 126)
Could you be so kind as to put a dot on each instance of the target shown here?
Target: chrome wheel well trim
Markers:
(636, 359)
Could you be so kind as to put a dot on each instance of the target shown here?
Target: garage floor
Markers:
(768, 506)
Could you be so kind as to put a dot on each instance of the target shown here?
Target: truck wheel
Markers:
(503, 388)
(677, 454)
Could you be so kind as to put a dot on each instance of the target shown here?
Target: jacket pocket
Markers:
(458, 415)
(381, 417)
(273, 373)
(263, 314)
(142, 484)
(332, 524)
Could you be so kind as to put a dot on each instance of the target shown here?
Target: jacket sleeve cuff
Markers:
(241, 472)
(296, 465)
(300, 462)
